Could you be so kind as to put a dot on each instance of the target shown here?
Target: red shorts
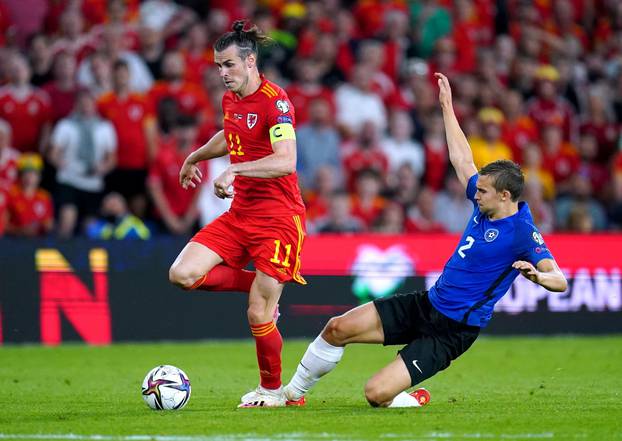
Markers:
(273, 244)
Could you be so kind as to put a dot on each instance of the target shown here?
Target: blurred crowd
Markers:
(101, 101)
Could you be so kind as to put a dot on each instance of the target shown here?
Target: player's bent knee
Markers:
(336, 331)
(257, 314)
(182, 276)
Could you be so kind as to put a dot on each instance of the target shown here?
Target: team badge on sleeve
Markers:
(491, 234)
(282, 105)
(251, 120)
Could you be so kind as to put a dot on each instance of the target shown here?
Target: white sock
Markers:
(404, 399)
(319, 359)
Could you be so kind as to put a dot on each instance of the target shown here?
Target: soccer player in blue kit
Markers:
(499, 242)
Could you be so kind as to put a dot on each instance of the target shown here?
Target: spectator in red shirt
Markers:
(25, 108)
(391, 220)
(8, 157)
(29, 207)
(467, 33)
(364, 153)
(134, 121)
(596, 172)
(421, 217)
(548, 107)
(367, 204)
(445, 58)
(63, 89)
(190, 98)
(72, 38)
(122, 20)
(560, 157)
(317, 198)
(175, 206)
(307, 88)
(371, 56)
(197, 55)
(601, 125)
(396, 42)
(518, 129)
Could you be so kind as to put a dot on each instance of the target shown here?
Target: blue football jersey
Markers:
(480, 270)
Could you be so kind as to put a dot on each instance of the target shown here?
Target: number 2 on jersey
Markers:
(277, 249)
(233, 150)
(463, 248)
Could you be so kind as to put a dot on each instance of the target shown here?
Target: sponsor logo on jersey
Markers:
(238, 116)
(251, 120)
(491, 234)
(537, 237)
(282, 105)
(284, 119)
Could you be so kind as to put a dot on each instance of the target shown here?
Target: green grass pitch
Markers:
(502, 388)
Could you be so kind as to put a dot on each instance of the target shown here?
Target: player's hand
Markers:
(444, 94)
(223, 184)
(527, 270)
(189, 175)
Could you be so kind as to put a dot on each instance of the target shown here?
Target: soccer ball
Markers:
(166, 388)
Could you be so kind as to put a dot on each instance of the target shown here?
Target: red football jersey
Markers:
(129, 117)
(35, 210)
(26, 114)
(247, 123)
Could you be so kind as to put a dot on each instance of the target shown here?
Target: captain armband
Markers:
(281, 132)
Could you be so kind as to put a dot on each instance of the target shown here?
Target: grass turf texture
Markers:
(503, 388)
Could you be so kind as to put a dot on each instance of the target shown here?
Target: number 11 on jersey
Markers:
(277, 249)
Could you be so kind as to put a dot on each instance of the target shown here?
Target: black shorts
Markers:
(127, 182)
(432, 339)
(87, 203)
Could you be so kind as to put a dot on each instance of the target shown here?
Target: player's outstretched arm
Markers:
(547, 274)
(459, 149)
(190, 175)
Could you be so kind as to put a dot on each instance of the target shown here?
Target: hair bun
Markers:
(238, 26)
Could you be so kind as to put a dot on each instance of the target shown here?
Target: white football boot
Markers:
(262, 397)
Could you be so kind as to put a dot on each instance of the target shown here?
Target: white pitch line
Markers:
(277, 437)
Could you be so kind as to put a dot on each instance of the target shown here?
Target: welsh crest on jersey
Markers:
(251, 120)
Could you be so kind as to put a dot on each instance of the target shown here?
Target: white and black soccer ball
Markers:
(166, 388)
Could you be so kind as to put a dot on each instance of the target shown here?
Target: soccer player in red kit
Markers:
(266, 221)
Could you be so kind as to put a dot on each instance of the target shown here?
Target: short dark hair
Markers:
(507, 175)
(247, 41)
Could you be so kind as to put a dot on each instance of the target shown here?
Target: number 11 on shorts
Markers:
(277, 249)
